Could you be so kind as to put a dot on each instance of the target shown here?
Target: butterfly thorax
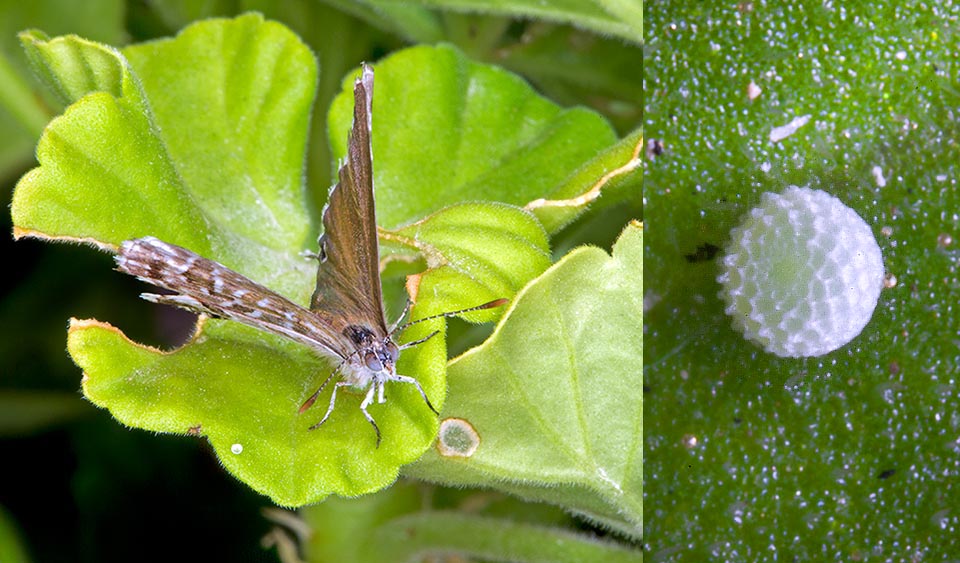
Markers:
(375, 357)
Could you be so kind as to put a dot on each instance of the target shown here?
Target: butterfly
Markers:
(345, 319)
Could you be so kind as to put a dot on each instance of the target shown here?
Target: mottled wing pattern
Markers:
(208, 287)
(348, 279)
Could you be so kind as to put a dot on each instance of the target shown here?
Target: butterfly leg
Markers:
(366, 402)
(309, 255)
(309, 402)
(412, 381)
(333, 399)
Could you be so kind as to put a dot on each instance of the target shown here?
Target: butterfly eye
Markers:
(393, 351)
(373, 363)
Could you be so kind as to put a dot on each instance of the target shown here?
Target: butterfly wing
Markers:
(210, 288)
(348, 280)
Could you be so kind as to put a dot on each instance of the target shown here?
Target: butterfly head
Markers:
(376, 353)
(381, 356)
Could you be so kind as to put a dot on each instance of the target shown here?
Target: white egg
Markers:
(802, 274)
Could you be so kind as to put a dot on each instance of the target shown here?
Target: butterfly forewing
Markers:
(348, 279)
(211, 288)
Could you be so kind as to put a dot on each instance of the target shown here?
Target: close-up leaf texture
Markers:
(849, 456)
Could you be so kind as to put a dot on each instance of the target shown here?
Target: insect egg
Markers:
(802, 274)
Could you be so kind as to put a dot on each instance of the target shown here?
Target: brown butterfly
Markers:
(345, 319)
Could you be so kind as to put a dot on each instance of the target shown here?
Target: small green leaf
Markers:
(452, 130)
(614, 174)
(72, 66)
(476, 252)
(555, 395)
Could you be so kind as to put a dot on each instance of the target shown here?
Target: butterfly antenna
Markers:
(309, 402)
(490, 305)
(406, 309)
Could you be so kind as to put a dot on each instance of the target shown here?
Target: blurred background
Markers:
(74, 484)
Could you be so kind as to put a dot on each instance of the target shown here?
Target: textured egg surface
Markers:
(802, 274)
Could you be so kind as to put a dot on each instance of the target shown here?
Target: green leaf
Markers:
(554, 397)
(851, 455)
(614, 174)
(242, 389)
(199, 140)
(571, 66)
(339, 41)
(621, 18)
(476, 252)
(491, 137)
(413, 23)
(72, 66)
(251, 84)
(411, 520)
(142, 155)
